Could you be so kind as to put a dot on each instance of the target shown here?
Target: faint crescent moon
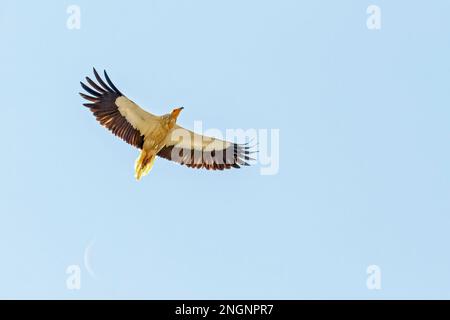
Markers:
(87, 256)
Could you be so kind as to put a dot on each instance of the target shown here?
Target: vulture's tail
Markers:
(144, 164)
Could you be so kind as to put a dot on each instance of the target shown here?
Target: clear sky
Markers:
(364, 150)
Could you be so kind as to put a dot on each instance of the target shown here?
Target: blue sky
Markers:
(364, 150)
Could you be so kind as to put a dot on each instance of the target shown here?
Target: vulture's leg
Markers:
(144, 163)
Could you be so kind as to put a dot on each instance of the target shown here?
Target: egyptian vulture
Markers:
(158, 135)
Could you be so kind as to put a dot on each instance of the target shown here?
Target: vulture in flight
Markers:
(158, 135)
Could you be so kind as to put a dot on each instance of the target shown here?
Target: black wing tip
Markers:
(101, 86)
(111, 84)
(82, 84)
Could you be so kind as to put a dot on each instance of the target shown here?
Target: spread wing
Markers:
(116, 112)
(197, 151)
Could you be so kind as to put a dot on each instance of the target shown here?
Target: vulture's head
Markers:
(174, 116)
(175, 113)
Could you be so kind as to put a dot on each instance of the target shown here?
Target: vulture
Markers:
(158, 135)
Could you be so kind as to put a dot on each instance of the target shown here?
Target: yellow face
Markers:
(175, 113)
(172, 119)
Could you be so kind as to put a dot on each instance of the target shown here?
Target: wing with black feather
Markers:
(197, 151)
(102, 99)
